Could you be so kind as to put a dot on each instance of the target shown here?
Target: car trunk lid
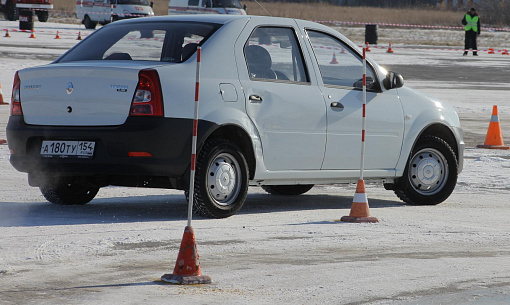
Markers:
(77, 95)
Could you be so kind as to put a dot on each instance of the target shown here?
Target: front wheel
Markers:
(221, 179)
(430, 175)
(72, 192)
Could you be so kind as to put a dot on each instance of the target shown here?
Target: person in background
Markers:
(471, 24)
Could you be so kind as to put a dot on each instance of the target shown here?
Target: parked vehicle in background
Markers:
(92, 12)
(11, 8)
(281, 107)
(231, 7)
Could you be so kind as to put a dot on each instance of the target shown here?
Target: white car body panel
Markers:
(97, 98)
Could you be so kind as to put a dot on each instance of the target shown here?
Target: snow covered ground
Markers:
(277, 250)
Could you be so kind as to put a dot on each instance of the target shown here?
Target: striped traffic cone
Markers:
(57, 36)
(2, 141)
(390, 50)
(32, 35)
(359, 209)
(494, 138)
(7, 33)
(334, 61)
(367, 48)
(79, 36)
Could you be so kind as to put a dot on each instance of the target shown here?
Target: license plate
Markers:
(67, 149)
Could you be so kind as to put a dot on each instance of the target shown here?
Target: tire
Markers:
(220, 159)
(42, 16)
(11, 12)
(430, 174)
(69, 193)
(88, 23)
(289, 190)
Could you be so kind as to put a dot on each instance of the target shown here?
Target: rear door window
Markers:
(273, 53)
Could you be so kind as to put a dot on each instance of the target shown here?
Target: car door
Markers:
(341, 71)
(282, 100)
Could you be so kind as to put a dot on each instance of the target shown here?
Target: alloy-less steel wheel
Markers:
(431, 173)
(221, 179)
(297, 189)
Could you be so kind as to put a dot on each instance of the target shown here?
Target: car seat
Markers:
(259, 62)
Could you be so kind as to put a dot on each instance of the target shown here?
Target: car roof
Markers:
(210, 18)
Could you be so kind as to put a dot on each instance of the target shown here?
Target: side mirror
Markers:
(245, 7)
(393, 80)
(152, 4)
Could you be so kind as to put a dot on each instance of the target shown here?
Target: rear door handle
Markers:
(255, 98)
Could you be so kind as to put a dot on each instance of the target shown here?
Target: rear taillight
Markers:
(148, 99)
(15, 98)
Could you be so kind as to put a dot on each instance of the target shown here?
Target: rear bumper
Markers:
(168, 140)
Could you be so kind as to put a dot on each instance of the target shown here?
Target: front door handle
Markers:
(255, 98)
(337, 106)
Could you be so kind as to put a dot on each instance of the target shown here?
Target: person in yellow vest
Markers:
(472, 27)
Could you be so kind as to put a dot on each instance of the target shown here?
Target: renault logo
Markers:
(69, 88)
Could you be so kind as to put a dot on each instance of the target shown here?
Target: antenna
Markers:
(263, 8)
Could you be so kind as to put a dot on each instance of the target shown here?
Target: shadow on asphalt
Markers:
(160, 208)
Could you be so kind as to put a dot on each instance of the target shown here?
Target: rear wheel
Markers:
(221, 179)
(11, 12)
(42, 16)
(72, 192)
(287, 189)
(88, 23)
(430, 175)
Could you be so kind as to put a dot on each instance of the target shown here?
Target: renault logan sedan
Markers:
(280, 107)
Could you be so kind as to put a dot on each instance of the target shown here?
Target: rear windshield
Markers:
(148, 41)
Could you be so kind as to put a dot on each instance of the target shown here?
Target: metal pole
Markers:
(194, 139)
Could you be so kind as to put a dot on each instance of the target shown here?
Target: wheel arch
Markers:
(241, 138)
(441, 131)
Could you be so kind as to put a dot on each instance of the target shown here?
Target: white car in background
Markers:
(280, 107)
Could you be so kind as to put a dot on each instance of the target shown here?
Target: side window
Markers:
(273, 53)
(193, 2)
(338, 64)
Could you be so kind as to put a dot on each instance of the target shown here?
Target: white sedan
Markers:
(280, 107)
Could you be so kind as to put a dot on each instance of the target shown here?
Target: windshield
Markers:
(148, 41)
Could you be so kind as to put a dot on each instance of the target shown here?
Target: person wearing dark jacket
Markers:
(472, 27)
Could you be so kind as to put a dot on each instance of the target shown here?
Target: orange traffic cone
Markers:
(334, 61)
(359, 209)
(505, 52)
(57, 36)
(491, 51)
(2, 97)
(32, 34)
(2, 141)
(187, 268)
(79, 36)
(494, 138)
(7, 33)
(367, 48)
(390, 50)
